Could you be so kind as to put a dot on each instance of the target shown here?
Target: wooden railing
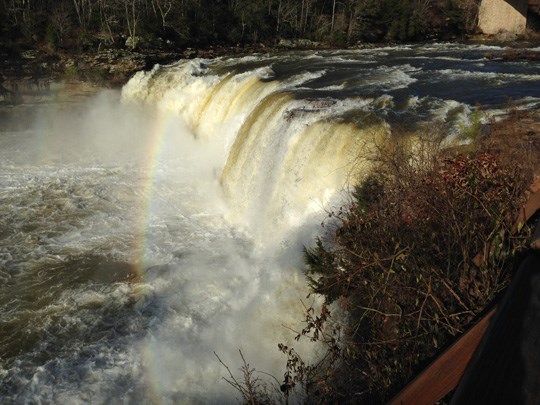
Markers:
(474, 378)
(444, 374)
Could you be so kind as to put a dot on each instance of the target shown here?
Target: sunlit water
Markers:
(142, 231)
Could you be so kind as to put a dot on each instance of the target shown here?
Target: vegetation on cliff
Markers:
(424, 247)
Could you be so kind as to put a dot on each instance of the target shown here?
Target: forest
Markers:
(178, 24)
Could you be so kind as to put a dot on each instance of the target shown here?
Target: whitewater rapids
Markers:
(143, 230)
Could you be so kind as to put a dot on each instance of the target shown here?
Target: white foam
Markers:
(455, 74)
(218, 235)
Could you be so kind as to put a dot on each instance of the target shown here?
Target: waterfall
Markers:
(143, 230)
(279, 159)
(285, 156)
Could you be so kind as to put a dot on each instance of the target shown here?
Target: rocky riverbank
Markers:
(37, 68)
(27, 73)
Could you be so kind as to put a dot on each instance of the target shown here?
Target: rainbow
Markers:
(150, 164)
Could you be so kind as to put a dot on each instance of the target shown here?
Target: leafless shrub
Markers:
(402, 266)
(253, 389)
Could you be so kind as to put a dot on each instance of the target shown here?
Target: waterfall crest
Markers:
(285, 155)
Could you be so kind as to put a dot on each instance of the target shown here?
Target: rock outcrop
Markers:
(496, 16)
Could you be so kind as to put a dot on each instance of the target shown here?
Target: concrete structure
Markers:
(503, 15)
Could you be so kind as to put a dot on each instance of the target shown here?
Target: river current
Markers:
(143, 230)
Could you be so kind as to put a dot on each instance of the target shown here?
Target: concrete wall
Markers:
(503, 15)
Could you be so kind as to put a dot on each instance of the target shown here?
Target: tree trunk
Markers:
(333, 16)
(352, 21)
(278, 19)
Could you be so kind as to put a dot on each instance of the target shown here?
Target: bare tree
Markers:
(352, 7)
(61, 19)
(333, 15)
(107, 18)
(162, 8)
(132, 10)
(83, 9)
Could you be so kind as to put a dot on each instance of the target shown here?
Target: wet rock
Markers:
(132, 42)
(513, 54)
(506, 36)
(520, 54)
(298, 43)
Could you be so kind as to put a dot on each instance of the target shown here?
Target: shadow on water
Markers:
(64, 309)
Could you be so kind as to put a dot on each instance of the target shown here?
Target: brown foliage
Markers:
(402, 261)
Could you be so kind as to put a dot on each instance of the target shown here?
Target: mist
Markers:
(107, 184)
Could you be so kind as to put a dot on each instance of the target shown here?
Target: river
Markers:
(143, 230)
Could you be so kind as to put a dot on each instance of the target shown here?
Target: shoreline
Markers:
(32, 71)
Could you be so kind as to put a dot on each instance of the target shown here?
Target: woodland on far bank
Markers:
(85, 25)
(106, 41)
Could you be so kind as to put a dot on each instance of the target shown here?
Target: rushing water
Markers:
(141, 231)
